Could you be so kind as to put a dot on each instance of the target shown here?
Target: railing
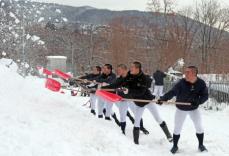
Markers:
(218, 94)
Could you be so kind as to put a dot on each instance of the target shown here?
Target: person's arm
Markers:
(164, 75)
(173, 92)
(114, 85)
(204, 94)
(86, 76)
(111, 79)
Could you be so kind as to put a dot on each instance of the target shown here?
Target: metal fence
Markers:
(218, 94)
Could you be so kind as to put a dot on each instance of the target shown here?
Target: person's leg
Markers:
(155, 92)
(142, 128)
(108, 106)
(93, 100)
(123, 107)
(160, 93)
(138, 115)
(197, 120)
(100, 106)
(154, 111)
(180, 117)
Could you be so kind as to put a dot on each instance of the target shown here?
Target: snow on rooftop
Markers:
(35, 38)
(56, 57)
(41, 19)
(3, 53)
(28, 36)
(64, 19)
(58, 11)
(40, 42)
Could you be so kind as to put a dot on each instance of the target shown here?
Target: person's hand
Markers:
(104, 84)
(159, 102)
(125, 90)
(99, 86)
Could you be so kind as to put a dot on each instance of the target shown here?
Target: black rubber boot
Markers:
(104, 111)
(142, 128)
(136, 132)
(93, 112)
(130, 117)
(123, 127)
(100, 116)
(116, 119)
(200, 138)
(108, 118)
(166, 131)
(175, 142)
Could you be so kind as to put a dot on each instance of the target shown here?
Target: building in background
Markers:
(57, 62)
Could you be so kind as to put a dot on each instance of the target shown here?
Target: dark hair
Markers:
(123, 66)
(137, 65)
(194, 68)
(109, 66)
(98, 68)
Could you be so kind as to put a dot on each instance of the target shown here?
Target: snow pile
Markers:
(36, 121)
(12, 66)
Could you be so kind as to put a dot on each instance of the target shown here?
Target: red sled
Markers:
(109, 96)
(62, 74)
(52, 85)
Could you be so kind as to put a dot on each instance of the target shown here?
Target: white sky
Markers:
(120, 4)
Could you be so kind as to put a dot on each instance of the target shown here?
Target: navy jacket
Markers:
(91, 77)
(107, 78)
(120, 82)
(188, 92)
(159, 78)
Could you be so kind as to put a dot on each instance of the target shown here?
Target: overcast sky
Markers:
(119, 4)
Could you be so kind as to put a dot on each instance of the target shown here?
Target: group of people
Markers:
(132, 83)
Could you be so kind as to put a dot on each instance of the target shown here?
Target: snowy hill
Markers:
(35, 121)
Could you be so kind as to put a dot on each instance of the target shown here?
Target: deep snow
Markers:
(37, 122)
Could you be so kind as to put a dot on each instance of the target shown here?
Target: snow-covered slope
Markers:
(37, 122)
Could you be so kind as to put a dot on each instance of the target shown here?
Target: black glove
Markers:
(153, 97)
(195, 102)
(72, 82)
(159, 102)
(93, 90)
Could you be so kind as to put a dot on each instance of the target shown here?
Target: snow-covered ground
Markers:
(37, 122)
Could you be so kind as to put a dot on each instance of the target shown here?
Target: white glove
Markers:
(104, 84)
(91, 85)
(125, 90)
(99, 86)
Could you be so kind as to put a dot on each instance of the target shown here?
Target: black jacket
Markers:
(188, 92)
(91, 77)
(119, 83)
(137, 85)
(107, 78)
(159, 78)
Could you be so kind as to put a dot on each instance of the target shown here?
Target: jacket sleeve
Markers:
(173, 92)
(203, 97)
(86, 76)
(114, 85)
(112, 79)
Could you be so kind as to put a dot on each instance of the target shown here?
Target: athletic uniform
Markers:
(194, 93)
(138, 86)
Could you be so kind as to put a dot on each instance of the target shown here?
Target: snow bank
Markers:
(12, 66)
(35, 121)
